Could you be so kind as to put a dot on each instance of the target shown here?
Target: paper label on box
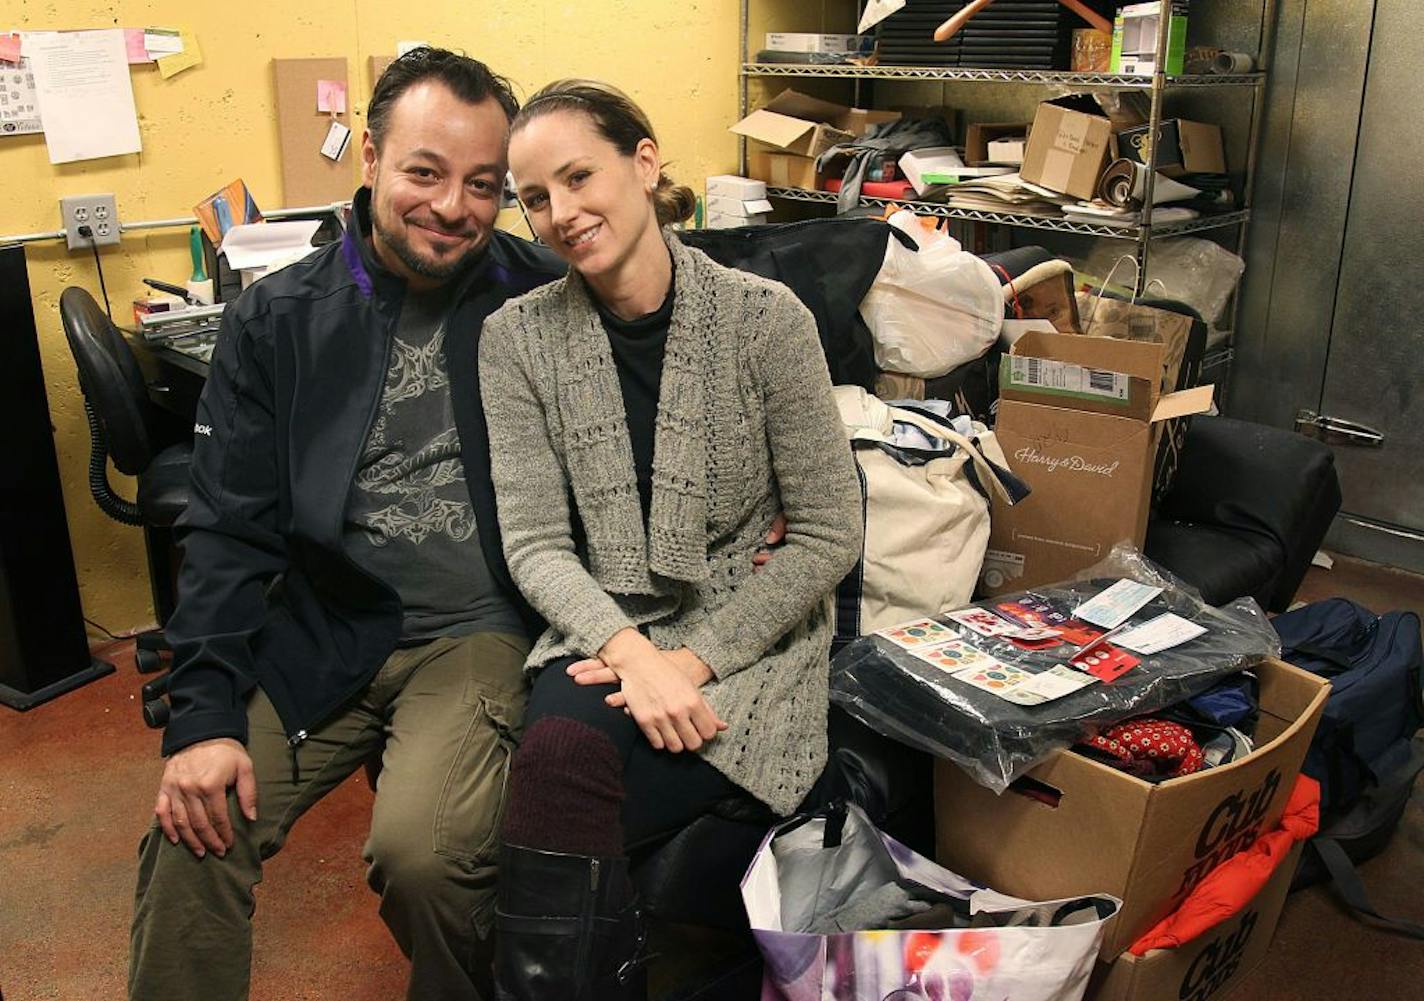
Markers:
(919, 633)
(1070, 136)
(1114, 605)
(1067, 378)
(1162, 633)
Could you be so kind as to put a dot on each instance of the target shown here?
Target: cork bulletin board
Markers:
(376, 65)
(308, 178)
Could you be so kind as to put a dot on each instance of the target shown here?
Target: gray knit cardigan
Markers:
(746, 426)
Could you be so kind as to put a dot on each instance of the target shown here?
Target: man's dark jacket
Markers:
(267, 594)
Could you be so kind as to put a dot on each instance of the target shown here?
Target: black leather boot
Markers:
(568, 929)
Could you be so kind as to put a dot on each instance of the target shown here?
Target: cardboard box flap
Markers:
(1188, 401)
(772, 128)
(1136, 358)
(855, 121)
(799, 105)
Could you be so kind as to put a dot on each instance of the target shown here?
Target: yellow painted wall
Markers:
(205, 126)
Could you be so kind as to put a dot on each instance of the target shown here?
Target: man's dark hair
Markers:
(469, 79)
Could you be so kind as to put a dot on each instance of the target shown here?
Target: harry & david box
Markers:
(1093, 829)
(1079, 419)
(1210, 965)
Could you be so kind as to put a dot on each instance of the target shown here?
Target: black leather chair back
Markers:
(110, 379)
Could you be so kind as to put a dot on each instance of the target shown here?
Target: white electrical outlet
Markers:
(97, 212)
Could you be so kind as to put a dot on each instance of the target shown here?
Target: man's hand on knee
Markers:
(192, 795)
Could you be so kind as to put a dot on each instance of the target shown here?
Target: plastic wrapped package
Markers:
(1188, 269)
(909, 691)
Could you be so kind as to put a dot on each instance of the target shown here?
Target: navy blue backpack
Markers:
(1363, 753)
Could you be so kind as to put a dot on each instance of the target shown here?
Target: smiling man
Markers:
(343, 592)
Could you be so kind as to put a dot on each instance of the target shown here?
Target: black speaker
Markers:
(43, 649)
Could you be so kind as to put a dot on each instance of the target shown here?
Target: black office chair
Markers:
(122, 427)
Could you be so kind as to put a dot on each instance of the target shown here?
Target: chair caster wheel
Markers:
(155, 714)
(148, 661)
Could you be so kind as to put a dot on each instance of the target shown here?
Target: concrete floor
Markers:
(76, 790)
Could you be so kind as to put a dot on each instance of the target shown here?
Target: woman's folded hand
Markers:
(660, 690)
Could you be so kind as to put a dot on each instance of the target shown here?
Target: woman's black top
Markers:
(638, 355)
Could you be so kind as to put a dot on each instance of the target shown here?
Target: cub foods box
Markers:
(1092, 829)
(1209, 966)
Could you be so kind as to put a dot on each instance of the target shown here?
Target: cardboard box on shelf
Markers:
(729, 220)
(1134, 45)
(793, 122)
(1079, 420)
(1210, 965)
(1068, 147)
(1186, 147)
(733, 186)
(1008, 151)
(783, 170)
(981, 135)
(734, 206)
(1104, 831)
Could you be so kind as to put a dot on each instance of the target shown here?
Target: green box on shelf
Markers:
(1134, 48)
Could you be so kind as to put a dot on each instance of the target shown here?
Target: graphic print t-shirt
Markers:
(409, 520)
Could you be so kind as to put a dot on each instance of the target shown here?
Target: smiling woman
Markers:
(586, 163)
(670, 408)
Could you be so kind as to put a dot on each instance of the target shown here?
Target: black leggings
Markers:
(663, 792)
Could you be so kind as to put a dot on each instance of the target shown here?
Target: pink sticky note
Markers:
(10, 48)
(133, 43)
(331, 96)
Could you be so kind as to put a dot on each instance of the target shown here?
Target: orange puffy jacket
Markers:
(1233, 884)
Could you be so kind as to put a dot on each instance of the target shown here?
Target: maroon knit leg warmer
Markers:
(566, 790)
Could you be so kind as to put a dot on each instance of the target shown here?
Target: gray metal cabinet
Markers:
(1331, 339)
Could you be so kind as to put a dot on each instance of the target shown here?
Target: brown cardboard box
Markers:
(1086, 456)
(1067, 150)
(1110, 832)
(1208, 966)
(1187, 147)
(783, 170)
(978, 136)
(793, 122)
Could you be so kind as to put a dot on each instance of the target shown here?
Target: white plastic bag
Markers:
(932, 309)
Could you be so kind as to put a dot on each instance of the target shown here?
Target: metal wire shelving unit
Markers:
(1156, 86)
(1055, 224)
